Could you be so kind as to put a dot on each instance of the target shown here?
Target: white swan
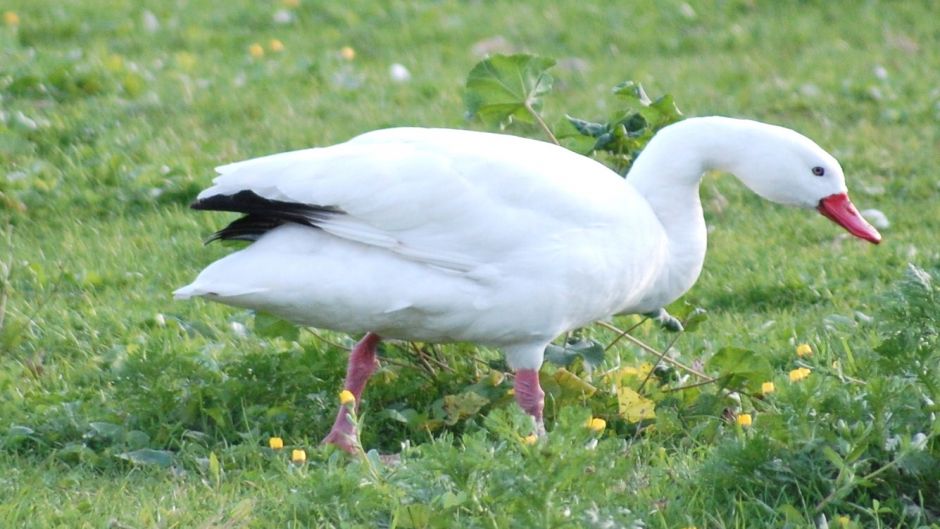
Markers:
(447, 235)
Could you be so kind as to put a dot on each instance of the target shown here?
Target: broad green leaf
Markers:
(742, 367)
(634, 407)
(148, 456)
(667, 109)
(588, 128)
(632, 90)
(268, 325)
(504, 88)
(590, 351)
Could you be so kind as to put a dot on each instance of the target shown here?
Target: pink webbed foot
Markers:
(362, 363)
(530, 397)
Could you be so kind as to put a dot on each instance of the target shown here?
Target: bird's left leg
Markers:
(665, 320)
(530, 397)
(362, 363)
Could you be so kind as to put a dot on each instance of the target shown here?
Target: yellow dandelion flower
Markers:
(11, 19)
(843, 520)
(596, 424)
(298, 456)
(276, 443)
(255, 50)
(799, 374)
(530, 439)
(767, 388)
(744, 420)
(347, 53)
(276, 46)
(804, 350)
(346, 397)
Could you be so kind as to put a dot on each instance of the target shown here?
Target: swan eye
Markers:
(818, 171)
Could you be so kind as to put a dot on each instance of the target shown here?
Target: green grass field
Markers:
(121, 408)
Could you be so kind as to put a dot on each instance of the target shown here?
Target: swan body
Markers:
(444, 235)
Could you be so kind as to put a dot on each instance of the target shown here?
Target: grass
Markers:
(121, 408)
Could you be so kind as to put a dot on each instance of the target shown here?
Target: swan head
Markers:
(786, 167)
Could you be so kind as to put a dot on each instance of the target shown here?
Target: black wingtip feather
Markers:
(261, 214)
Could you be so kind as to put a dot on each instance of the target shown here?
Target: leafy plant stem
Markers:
(659, 360)
(427, 359)
(649, 349)
(401, 363)
(690, 386)
(624, 333)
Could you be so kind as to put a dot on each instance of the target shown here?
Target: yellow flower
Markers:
(347, 53)
(804, 350)
(596, 424)
(276, 443)
(744, 420)
(256, 51)
(767, 388)
(530, 439)
(298, 456)
(843, 520)
(11, 19)
(799, 374)
(346, 397)
(276, 46)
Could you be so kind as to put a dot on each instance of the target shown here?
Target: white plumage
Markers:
(446, 235)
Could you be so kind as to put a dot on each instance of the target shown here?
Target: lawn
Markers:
(122, 408)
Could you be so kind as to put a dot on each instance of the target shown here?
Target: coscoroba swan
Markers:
(448, 235)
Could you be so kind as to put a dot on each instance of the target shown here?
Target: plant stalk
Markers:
(651, 350)
(542, 124)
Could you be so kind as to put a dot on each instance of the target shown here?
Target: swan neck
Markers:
(680, 154)
(668, 174)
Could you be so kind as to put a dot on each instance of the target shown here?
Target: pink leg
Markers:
(530, 397)
(362, 363)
